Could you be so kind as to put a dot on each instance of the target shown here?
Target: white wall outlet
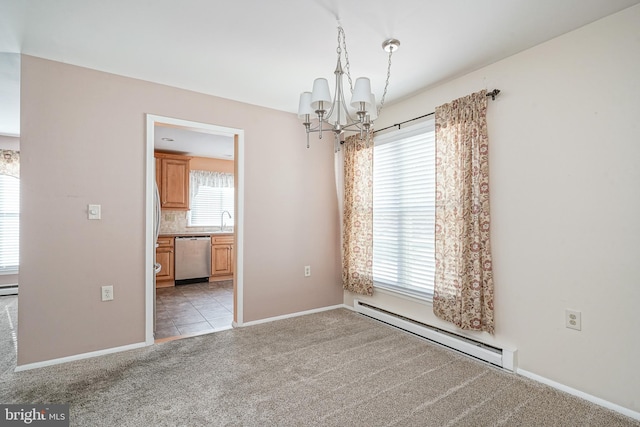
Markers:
(307, 270)
(107, 293)
(94, 211)
(573, 319)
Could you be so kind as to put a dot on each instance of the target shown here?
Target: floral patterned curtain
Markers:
(10, 163)
(463, 291)
(357, 237)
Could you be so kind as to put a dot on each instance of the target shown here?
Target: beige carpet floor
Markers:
(335, 368)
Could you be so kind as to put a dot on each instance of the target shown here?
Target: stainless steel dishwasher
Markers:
(193, 259)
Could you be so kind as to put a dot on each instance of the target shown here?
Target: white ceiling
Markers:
(9, 94)
(193, 142)
(267, 52)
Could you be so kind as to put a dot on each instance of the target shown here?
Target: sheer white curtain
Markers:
(210, 179)
(10, 163)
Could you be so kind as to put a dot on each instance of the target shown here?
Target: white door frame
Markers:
(238, 134)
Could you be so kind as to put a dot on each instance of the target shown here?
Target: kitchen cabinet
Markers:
(165, 257)
(172, 178)
(222, 258)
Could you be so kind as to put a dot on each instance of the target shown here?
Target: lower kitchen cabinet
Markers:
(221, 257)
(165, 257)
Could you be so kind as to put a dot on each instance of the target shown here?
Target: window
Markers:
(9, 224)
(212, 194)
(404, 210)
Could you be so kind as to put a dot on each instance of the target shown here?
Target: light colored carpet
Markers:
(335, 368)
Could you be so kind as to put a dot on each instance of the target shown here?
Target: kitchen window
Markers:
(9, 224)
(404, 210)
(212, 194)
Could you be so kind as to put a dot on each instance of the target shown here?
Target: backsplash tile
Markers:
(175, 222)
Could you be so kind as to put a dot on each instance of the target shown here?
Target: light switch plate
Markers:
(93, 211)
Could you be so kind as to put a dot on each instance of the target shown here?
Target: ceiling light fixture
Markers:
(334, 114)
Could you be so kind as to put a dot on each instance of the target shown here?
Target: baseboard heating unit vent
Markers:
(503, 358)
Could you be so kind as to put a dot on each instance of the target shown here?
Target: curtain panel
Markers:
(357, 225)
(208, 178)
(463, 289)
(10, 163)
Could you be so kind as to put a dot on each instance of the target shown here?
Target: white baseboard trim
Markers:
(593, 399)
(288, 316)
(81, 356)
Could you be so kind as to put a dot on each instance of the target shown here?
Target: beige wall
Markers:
(565, 203)
(9, 142)
(83, 141)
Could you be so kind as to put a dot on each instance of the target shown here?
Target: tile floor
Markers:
(194, 308)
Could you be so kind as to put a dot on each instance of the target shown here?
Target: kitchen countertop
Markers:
(198, 233)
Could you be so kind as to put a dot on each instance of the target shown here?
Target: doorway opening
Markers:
(208, 148)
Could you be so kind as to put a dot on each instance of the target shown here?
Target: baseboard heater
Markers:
(9, 289)
(503, 358)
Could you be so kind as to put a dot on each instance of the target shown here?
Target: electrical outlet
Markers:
(93, 211)
(573, 319)
(307, 270)
(107, 293)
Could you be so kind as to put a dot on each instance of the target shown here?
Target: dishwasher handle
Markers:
(193, 237)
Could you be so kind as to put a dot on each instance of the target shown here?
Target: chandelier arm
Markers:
(354, 124)
(320, 128)
(344, 108)
(351, 119)
(339, 100)
(337, 91)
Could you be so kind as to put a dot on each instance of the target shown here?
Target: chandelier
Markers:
(333, 114)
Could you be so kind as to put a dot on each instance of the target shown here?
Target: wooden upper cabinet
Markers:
(172, 176)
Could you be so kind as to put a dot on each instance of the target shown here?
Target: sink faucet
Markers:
(222, 224)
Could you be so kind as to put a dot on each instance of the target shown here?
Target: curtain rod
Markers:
(492, 94)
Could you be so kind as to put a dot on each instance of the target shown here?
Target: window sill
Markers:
(426, 299)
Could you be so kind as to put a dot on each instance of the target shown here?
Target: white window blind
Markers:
(404, 210)
(209, 204)
(213, 194)
(9, 224)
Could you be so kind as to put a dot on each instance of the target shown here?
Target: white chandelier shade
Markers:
(362, 93)
(320, 93)
(304, 108)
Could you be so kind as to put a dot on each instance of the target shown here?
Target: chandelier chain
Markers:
(342, 35)
(386, 84)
